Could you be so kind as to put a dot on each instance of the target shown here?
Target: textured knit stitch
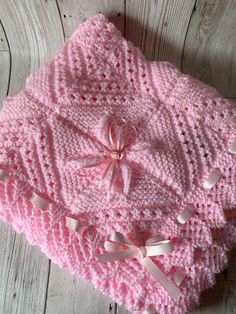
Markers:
(187, 127)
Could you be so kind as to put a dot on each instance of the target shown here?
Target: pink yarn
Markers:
(178, 131)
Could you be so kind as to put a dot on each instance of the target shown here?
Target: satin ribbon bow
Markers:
(120, 248)
(114, 153)
(113, 164)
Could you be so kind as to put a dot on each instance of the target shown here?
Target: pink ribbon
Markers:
(119, 142)
(232, 148)
(4, 176)
(75, 225)
(151, 309)
(178, 277)
(212, 179)
(113, 163)
(121, 248)
(185, 215)
(39, 201)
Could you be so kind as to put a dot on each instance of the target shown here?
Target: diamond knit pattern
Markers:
(181, 131)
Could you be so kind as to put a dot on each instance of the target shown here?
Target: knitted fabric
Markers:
(55, 143)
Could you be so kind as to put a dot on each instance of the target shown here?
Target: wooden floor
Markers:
(198, 36)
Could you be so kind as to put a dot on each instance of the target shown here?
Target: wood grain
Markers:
(32, 36)
(5, 65)
(159, 27)
(74, 12)
(4, 74)
(3, 40)
(122, 310)
(210, 53)
(67, 294)
(23, 274)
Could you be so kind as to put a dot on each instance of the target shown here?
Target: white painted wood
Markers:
(32, 36)
(4, 65)
(159, 27)
(122, 310)
(74, 12)
(23, 274)
(67, 294)
(210, 53)
(4, 74)
(3, 41)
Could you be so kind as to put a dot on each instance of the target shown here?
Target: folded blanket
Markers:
(122, 170)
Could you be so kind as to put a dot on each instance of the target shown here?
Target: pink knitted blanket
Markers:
(122, 171)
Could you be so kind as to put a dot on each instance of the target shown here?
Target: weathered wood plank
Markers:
(3, 41)
(121, 310)
(67, 294)
(32, 35)
(210, 53)
(4, 74)
(159, 27)
(4, 65)
(74, 12)
(23, 274)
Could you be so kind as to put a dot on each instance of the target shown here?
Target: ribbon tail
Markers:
(120, 238)
(120, 137)
(91, 162)
(104, 131)
(112, 180)
(111, 140)
(161, 278)
(108, 166)
(126, 174)
(118, 255)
